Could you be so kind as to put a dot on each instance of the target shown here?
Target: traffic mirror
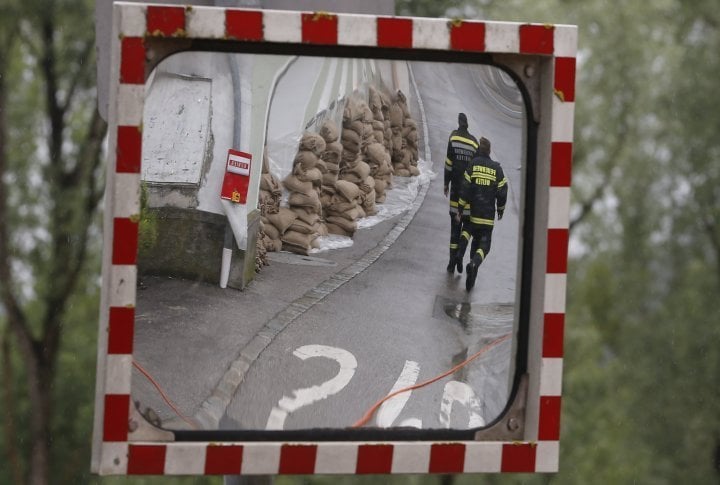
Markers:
(318, 326)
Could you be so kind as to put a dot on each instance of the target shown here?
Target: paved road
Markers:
(399, 321)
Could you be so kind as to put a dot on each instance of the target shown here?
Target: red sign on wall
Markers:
(237, 177)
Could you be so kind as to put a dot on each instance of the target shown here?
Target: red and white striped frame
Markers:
(133, 23)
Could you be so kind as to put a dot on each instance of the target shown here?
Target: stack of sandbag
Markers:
(404, 160)
(329, 163)
(343, 210)
(401, 167)
(269, 203)
(352, 132)
(357, 173)
(410, 134)
(385, 111)
(304, 186)
(378, 119)
(378, 159)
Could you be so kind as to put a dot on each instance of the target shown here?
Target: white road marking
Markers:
(412, 423)
(309, 395)
(391, 409)
(463, 394)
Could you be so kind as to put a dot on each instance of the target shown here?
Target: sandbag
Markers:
(331, 157)
(312, 142)
(308, 217)
(346, 224)
(380, 186)
(376, 152)
(329, 132)
(311, 199)
(292, 248)
(337, 230)
(397, 142)
(337, 208)
(321, 229)
(379, 136)
(352, 111)
(298, 238)
(269, 182)
(282, 219)
(367, 185)
(312, 175)
(396, 116)
(300, 226)
(347, 189)
(378, 125)
(350, 177)
(293, 184)
(306, 158)
(349, 159)
(320, 165)
(332, 168)
(271, 231)
(351, 145)
(357, 127)
(361, 169)
(335, 147)
(329, 179)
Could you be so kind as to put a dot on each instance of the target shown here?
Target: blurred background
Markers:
(641, 400)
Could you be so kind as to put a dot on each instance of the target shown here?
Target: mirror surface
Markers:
(345, 309)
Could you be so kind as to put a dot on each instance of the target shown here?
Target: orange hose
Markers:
(167, 400)
(369, 414)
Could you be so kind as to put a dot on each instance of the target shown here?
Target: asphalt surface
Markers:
(315, 342)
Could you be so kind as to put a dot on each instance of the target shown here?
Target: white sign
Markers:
(238, 164)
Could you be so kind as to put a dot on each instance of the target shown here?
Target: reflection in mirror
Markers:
(329, 289)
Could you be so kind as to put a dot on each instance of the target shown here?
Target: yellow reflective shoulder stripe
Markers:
(461, 202)
(480, 220)
(502, 182)
(448, 162)
(467, 177)
(464, 140)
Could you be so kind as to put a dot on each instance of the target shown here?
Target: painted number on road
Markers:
(454, 393)
(305, 397)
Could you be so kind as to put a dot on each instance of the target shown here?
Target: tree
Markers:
(51, 138)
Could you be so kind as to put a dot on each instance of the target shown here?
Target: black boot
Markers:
(451, 264)
(472, 269)
(471, 275)
(460, 255)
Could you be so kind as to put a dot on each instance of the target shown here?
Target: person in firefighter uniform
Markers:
(485, 191)
(460, 150)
